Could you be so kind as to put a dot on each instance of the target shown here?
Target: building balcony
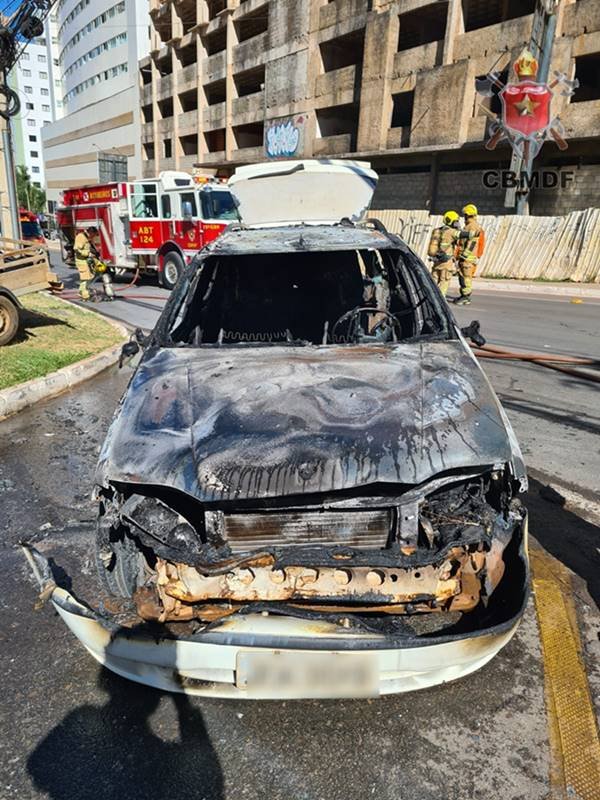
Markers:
(425, 56)
(477, 129)
(493, 38)
(149, 168)
(217, 24)
(146, 95)
(250, 53)
(165, 127)
(336, 87)
(332, 145)
(397, 138)
(164, 87)
(187, 78)
(214, 68)
(188, 122)
(210, 159)
(147, 132)
(582, 119)
(250, 108)
(340, 10)
(186, 163)
(248, 155)
(249, 7)
(213, 117)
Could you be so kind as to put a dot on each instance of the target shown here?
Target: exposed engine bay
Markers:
(441, 549)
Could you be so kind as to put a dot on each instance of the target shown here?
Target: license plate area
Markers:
(306, 674)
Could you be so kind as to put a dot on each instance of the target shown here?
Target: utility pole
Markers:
(9, 206)
(541, 45)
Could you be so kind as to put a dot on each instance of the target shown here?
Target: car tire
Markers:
(9, 320)
(172, 267)
(120, 576)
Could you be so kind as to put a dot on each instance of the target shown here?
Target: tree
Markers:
(29, 196)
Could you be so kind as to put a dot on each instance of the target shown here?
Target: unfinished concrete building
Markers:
(232, 82)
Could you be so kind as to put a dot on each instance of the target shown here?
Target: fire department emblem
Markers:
(526, 121)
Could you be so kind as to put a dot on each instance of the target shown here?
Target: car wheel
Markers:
(172, 268)
(9, 320)
(119, 575)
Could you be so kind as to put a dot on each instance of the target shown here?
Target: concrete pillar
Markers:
(381, 41)
(230, 144)
(455, 26)
(155, 114)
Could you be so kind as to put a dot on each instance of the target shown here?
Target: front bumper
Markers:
(207, 663)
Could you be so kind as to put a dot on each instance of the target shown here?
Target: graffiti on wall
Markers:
(285, 137)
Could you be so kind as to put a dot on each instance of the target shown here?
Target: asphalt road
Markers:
(71, 730)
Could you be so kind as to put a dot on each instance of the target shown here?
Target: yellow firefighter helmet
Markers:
(469, 210)
(450, 217)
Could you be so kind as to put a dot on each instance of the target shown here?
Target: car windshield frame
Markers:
(415, 270)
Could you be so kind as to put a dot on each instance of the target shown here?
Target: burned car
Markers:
(309, 487)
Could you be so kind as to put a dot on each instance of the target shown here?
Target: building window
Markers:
(189, 144)
(24, 57)
(215, 140)
(423, 25)
(167, 148)
(587, 72)
(42, 58)
(339, 121)
(251, 135)
(35, 170)
(31, 123)
(32, 138)
(27, 73)
(250, 81)
(478, 14)
(45, 108)
(402, 111)
(34, 154)
(149, 151)
(253, 24)
(29, 106)
(345, 51)
(44, 92)
(44, 76)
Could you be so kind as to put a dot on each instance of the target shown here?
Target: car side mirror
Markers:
(473, 332)
(188, 211)
(129, 350)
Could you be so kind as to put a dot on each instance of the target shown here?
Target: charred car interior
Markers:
(308, 457)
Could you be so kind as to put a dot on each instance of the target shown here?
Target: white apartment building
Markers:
(98, 139)
(37, 81)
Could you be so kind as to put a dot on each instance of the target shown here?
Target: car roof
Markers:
(237, 240)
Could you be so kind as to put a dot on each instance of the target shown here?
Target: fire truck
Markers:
(148, 225)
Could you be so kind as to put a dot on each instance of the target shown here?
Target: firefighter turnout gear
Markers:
(470, 249)
(90, 267)
(82, 250)
(441, 251)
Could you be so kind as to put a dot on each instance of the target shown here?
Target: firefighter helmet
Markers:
(450, 217)
(526, 66)
(469, 210)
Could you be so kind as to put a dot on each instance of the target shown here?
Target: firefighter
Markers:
(82, 250)
(469, 251)
(441, 251)
(89, 265)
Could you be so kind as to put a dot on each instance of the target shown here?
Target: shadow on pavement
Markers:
(111, 751)
(565, 535)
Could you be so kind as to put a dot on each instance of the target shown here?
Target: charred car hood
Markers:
(256, 422)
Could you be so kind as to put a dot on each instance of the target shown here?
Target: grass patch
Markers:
(53, 334)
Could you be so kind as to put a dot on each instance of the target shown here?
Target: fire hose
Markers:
(559, 363)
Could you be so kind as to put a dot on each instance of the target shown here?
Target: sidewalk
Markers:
(589, 291)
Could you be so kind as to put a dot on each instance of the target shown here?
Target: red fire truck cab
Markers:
(152, 225)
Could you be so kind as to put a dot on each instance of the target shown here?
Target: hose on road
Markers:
(559, 363)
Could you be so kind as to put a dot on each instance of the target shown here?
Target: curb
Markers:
(515, 286)
(23, 395)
